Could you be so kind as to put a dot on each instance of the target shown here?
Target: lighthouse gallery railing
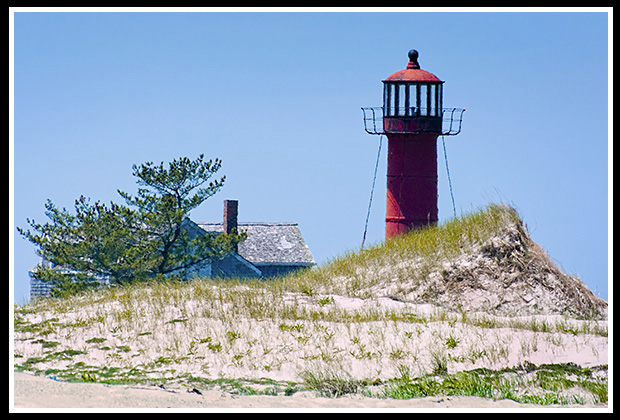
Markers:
(451, 120)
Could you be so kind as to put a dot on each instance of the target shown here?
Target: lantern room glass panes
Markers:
(412, 99)
(423, 102)
(400, 107)
(391, 99)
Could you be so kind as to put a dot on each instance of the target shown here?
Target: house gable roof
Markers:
(269, 243)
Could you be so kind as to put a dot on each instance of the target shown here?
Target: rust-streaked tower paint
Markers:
(412, 121)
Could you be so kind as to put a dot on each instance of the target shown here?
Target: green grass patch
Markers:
(330, 384)
(514, 383)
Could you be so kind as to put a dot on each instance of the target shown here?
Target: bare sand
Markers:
(36, 392)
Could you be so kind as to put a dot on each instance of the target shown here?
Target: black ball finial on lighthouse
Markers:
(413, 60)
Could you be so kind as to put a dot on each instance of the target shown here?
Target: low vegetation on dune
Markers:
(471, 307)
(483, 261)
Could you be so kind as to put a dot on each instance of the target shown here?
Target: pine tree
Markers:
(146, 238)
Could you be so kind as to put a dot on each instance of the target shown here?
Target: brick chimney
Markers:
(230, 216)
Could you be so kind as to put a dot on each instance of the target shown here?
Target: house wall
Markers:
(278, 270)
(234, 266)
(38, 288)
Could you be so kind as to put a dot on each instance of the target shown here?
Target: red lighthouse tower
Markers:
(412, 117)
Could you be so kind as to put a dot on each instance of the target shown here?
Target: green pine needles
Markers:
(143, 239)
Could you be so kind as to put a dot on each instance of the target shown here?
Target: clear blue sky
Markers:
(277, 97)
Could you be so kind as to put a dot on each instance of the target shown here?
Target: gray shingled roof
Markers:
(269, 243)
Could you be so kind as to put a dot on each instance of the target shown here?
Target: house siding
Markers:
(278, 270)
(234, 266)
(38, 288)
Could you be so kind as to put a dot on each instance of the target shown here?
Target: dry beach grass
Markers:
(471, 308)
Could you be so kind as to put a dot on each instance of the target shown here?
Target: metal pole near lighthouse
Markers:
(412, 117)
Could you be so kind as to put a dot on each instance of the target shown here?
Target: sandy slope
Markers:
(499, 302)
(38, 392)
